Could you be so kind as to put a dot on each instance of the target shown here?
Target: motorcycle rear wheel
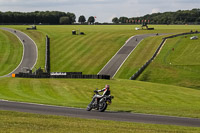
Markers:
(89, 108)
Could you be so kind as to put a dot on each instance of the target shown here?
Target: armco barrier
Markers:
(47, 57)
(137, 74)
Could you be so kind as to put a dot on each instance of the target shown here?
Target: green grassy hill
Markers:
(11, 51)
(88, 53)
(177, 64)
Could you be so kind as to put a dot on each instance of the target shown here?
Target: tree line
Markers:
(178, 17)
(42, 17)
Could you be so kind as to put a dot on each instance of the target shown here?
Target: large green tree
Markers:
(65, 20)
(91, 20)
(115, 20)
(123, 19)
(178, 17)
(44, 17)
(72, 17)
(81, 19)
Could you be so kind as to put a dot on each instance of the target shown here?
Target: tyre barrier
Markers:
(137, 74)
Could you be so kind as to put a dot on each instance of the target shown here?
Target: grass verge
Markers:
(25, 122)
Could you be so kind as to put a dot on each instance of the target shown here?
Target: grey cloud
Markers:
(104, 9)
(56, 3)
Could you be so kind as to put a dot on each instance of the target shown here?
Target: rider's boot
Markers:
(92, 101)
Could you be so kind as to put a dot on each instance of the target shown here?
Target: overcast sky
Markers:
(104, 10)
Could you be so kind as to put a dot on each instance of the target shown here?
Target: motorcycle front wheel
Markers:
(102, 106)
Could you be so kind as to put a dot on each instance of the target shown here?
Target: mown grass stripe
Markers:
(80, 52)
(63, 44)
(68, 49)
(89, 48)
(9, 92)
(100, 55)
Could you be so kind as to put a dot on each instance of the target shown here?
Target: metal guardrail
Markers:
(47, 57)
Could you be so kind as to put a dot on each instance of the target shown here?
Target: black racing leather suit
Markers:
(106, 92)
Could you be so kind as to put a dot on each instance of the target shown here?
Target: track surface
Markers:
(29, 58)
(120, 57)
(81, 113)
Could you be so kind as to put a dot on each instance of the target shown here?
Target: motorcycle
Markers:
(100, 104)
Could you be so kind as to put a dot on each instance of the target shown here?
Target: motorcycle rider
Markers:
(106, 92)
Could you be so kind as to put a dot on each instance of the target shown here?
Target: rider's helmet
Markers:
(107, 90)
(107, 86)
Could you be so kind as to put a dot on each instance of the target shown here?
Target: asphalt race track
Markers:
(120, 57)
(30, 52)
(81, 113)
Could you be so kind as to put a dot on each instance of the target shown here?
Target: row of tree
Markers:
(42, 17)
(81, 20)
(57, 17)
(178, 17)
